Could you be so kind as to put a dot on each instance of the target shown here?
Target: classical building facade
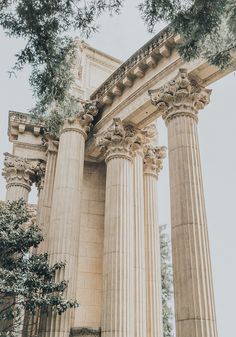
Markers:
(97, 193)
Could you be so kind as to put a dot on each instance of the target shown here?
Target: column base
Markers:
(85, 332)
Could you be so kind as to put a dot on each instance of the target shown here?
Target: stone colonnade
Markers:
(131, 263)
(179, 102)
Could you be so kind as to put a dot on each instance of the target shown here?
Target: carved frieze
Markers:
(153, 159)
(181, 96)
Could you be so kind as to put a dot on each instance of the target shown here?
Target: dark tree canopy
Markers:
(208, 29)
(26, 280)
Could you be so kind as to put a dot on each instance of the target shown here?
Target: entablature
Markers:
(26, 134)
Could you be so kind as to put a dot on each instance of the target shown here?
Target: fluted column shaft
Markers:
(194, 298)
(139, 249)
(18, 191)
(118, 260)
(179, 101)
(118, 271)
(152, 165)
(47, 192)
(64, 229)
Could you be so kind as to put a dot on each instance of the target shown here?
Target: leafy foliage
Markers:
(49, 49)
(43, 24)
(26, 280)
(202, 24)
(166, 283)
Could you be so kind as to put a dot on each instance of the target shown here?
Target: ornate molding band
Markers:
(180, 97)
(135, 59)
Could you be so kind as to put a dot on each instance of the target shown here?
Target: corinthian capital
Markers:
(153, 159)
(181, 96)
(143, 137)
(81, 121)
(22, 171)
(117, 141)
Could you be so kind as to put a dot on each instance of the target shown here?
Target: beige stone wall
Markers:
(89, 291)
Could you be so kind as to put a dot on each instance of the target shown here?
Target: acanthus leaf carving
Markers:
(117, 140)
(181, 96)
(124, 139)
(23, 171)
(153, 159)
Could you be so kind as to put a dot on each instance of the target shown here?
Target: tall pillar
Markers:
(64, 229)
(143, 137)
(152, 166)
(19, 175)
(179, 102)
(44, 183)
(46, 193)
(118, 267)
(139, 248)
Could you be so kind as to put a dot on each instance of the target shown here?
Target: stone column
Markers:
(142, 137)
(118, 267)
(46, 194)
(179, 102)
(64, 229)
(139, 248)
(152, 165)
(44, 182)
(19, 174)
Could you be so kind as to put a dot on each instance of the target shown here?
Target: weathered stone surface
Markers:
(97, 205)
(179, 102)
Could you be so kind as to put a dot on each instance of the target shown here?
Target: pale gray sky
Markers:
(120, 37)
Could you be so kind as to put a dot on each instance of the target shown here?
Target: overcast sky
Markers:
(120, 37)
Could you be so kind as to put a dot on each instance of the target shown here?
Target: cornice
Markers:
(139, 56)
(19, 122)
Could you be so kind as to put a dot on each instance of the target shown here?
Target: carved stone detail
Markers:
(22, 171)
(144, 137)
(153, 159)
(81, 121)
(50, 143)
(117, 141)
(124, 140)
(39, 175)
(140, 56)
(181, 96)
